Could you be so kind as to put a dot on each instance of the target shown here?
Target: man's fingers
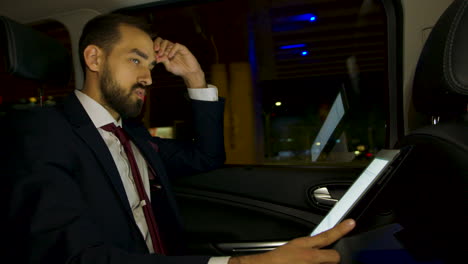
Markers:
(165, 48)
(173, 49)
(326, 256)
(178, 60)
(157, 44)
(162, 46)
(330, 236)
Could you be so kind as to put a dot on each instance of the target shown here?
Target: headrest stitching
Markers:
(13, 50)
(449, 50)
(10, 46)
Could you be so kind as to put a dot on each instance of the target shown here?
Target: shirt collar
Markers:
(98, 114)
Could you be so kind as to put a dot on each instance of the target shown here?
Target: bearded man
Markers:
(89, 184)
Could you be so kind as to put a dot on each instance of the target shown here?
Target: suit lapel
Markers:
(148, 151)
(86, 130)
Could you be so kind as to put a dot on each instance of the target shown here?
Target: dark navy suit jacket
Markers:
(65, 200)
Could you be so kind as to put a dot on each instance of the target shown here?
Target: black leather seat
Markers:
(433, 188)
(31, 64)
(27, 54)
(33, 55)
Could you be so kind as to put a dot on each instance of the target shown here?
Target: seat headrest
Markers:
(441, 79)
(33, 55)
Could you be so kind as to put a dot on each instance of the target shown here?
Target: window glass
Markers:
(305, 81)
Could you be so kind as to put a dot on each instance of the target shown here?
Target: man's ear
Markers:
(93, 57)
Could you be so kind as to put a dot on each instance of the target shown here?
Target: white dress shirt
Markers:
(100, 117)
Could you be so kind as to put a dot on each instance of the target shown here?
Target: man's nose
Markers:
(145, 78)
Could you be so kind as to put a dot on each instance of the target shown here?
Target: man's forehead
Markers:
(132, 38)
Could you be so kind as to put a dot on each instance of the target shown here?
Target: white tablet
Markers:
(364, 189)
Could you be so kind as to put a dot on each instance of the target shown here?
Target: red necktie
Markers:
(147, 209)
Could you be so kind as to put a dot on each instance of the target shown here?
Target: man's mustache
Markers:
(139, 85)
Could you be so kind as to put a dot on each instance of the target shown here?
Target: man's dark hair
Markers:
(103, 31)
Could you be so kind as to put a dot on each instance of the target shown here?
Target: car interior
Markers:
(417, 218)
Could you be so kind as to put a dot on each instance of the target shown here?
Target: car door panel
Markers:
(248, 209)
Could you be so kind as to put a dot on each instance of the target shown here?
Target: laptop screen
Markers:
(330, 127)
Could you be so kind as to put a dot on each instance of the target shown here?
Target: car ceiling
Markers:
(26, 11)
(333, 40)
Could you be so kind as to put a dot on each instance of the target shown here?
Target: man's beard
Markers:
(114, 96)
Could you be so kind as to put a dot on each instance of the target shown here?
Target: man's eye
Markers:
(136, 61)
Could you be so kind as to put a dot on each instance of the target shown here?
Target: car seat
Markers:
(432, 189)
(32, 55)
(27, 54)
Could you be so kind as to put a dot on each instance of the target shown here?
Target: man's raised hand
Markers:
(178, 60)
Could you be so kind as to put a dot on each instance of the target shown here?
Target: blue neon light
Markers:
(293, 46)
(304, 17)
(304, 53)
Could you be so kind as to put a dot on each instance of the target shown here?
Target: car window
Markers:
(305, 81)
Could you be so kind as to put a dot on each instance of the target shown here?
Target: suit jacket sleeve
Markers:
(206, 149)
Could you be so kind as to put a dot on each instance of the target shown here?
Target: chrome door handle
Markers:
(323, 197)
